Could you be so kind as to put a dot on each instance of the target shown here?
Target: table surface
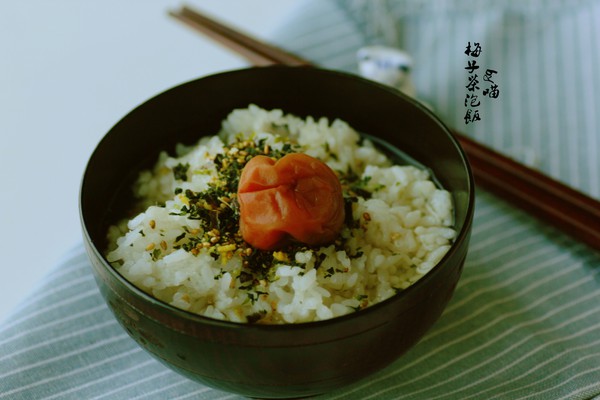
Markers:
(68, 72)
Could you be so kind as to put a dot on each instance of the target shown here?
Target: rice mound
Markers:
(398, 227)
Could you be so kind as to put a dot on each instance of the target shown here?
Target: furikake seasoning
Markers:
(217, 211)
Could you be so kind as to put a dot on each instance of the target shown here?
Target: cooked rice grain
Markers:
(401, 228)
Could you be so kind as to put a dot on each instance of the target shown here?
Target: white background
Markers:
(69, 70)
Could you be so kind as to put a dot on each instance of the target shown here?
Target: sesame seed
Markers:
(184, 200)
(226, 248)
(280, 256)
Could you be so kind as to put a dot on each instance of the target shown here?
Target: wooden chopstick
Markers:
(541, 196)
(256, 52)
(549, 200)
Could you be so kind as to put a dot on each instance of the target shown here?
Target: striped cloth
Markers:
(524, 322)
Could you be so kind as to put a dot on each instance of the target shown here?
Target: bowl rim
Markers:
(462, 235)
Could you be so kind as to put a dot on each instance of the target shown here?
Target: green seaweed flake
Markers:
(180, 171)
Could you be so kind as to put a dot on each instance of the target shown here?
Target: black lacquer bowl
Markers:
(274, 361)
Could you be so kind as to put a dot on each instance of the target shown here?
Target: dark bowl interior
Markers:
(273, 360)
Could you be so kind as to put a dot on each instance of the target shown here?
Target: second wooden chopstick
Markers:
(549, 200)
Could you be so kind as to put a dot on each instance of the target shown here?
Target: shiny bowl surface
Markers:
(274, 361)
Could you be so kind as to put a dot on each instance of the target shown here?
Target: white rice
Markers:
(400, 231)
